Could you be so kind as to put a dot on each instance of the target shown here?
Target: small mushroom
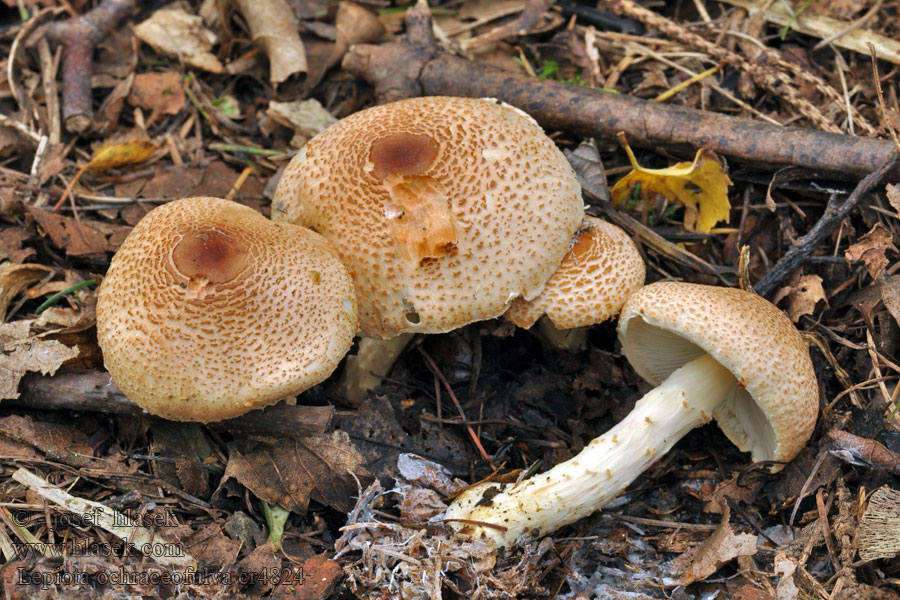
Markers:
(210, 310)
(714, 353)
(443, 209)
(602, 269)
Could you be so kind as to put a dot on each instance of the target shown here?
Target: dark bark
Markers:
(94, 391)
(415, 66)
(78, 37)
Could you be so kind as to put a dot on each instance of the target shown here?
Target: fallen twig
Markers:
(414, 66)
(150, 544)
(94, 391)
(78, 37)
(834, 214)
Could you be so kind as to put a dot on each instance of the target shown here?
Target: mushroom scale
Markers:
(443, 209)
(210, 310)
(602, 269)
(713, 353)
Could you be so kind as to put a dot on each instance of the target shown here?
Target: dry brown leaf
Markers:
(24, 352)
(93, 237)
(160, 93)
(274, 29)
(15, 278)
(53, 439)
(871, 250)
(719, 548)
(890, 295)
(290, 472)
(321, 576)
(893, 196)
(262, 560)
(209, 546)
(802, 297)
(172, 183)
(11, 240)
(175, 32)
(738, 488)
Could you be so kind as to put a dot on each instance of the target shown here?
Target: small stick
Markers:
(833, 216)
(89, 390)
(78, 37)
(459, 408)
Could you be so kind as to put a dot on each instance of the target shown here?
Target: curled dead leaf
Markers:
(24, 351)
(700, 186)
(719, 548)
(160, 93)
(15, 278)
(274, 29)
(175, 32)
(802, 296)
(871, 249)
(305, 117)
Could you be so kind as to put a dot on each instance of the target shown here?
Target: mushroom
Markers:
(713, 353)
(210, 310)
(443, 209)
(602, 269)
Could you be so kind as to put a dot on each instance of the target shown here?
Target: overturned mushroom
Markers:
(594, 280)
(714, 353)
(210, 310)
(443, 209)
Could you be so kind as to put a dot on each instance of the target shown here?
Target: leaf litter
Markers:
(194, 89)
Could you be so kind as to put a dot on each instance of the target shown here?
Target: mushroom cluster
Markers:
(444, 210)
(713, 353)
(210, 310)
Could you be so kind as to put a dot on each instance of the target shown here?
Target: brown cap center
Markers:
(210, 254)
(402, 153)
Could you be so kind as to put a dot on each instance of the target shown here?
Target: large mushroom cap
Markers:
(210, 310)
(443, 209)
(772, 409)
(591, 284)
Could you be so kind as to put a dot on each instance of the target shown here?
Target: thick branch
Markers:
(78, 37)
(95, 391)
(415, 66)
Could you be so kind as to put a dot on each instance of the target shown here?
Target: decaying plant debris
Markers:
(111, 107)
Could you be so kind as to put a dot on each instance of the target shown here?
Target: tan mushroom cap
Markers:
(591, 284)
(772, 409)
(443, 209)
(210, 310)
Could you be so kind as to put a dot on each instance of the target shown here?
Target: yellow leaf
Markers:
(119, 155)
(701, 187)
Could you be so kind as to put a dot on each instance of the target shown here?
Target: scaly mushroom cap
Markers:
(210, 310)
(591, 284)
(772, 410)
(443, 209)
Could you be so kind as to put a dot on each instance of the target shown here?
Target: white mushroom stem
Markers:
(578, 487)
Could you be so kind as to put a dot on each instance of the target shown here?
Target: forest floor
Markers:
(108, 109)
